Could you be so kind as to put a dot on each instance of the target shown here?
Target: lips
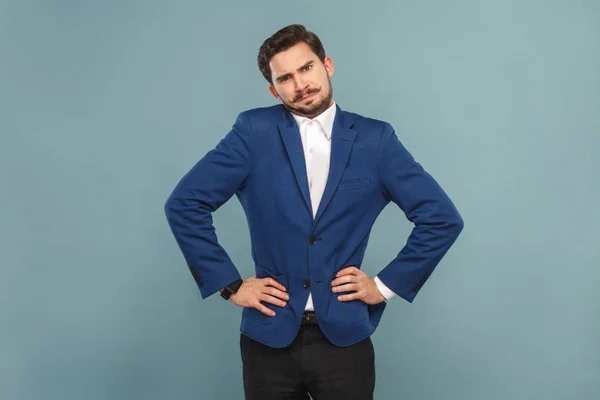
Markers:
(307, 96)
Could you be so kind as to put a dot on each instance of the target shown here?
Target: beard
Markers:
(316, 106)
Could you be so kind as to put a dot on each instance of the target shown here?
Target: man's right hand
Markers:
(255, 290)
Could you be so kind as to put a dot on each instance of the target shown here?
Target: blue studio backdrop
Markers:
(105, 105)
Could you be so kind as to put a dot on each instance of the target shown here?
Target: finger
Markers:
(351, 270)
(343, 279)
(276, 293)
(274, 283)
(263, 309)
(351, 296)
(348, 287)
(273, 300)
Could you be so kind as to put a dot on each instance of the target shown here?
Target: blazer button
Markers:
(306, 283)
(312, 240)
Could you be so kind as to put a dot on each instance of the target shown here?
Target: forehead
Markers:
(292, 58)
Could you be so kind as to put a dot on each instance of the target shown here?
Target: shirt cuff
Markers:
(385, 291)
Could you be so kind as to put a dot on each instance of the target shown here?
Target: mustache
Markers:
(301, 95)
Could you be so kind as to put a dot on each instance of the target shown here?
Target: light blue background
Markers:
(105, 105)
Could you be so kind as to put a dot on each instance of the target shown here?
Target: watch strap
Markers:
(231, 289)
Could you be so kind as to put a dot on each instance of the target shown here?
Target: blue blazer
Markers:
(261, 161)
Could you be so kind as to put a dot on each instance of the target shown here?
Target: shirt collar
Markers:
(325, 119)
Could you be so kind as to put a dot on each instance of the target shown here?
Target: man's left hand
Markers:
(353, 279)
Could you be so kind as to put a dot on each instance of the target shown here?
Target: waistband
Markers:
(309, 318)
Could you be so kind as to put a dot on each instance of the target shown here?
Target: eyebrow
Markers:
(279, 78)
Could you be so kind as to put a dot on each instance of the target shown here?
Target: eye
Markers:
(306, 68)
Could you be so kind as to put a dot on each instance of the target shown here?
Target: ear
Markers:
(273, 92)
(328, 62)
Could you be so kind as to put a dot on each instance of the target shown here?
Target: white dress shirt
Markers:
(316, 142)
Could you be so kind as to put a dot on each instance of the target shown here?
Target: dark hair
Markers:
(283, 40)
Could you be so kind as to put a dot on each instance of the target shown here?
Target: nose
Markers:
(301, 84)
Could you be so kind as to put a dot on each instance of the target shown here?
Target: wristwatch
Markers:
(231, 289)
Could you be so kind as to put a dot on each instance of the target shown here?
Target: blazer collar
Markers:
(325, 119)
(342, 139)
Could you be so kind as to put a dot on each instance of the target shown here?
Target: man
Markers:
(312, 180)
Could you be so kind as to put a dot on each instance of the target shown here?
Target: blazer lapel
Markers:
(342, 139)
(290, 134)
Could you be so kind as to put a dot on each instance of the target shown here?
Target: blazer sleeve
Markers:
(208, 185)
(436, 220)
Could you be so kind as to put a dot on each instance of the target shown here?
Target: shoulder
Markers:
(261, 115)
(368, 124)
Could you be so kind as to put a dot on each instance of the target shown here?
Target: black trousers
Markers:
(310, 365)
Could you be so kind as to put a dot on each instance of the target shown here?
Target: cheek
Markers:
(324, 82)
(283, 93)
(286, 90)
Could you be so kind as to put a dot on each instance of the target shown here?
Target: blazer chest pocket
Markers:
(353, 184)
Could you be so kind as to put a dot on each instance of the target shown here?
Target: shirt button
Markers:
(311, 150)
(312, 240)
